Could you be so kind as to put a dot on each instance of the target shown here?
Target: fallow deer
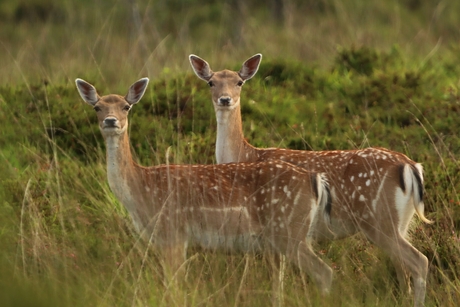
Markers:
(248, 207)
(374, 190)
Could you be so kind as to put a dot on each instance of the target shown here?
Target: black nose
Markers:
(110, 122)
(225, 101)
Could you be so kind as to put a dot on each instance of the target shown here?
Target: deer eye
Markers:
(97, 109)
(211, 84)
(126, 108)
(240, 83)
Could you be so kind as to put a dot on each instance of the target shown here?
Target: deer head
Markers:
(112, 110)
(226, 84)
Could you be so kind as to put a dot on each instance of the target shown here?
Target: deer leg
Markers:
(277, 265)
(417, 265)
(173, 263)
(406, 257)
(310, 263)
(402, 275)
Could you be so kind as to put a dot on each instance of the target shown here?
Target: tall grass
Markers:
(335, 74)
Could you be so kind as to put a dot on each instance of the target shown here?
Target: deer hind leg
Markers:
(402, 275)
(406, 257)
(417, 264)
(277, 263)
(309, 262)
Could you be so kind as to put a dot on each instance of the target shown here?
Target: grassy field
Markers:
(335, 75)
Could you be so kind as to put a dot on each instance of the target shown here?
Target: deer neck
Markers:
(230, 143)
(122, 175)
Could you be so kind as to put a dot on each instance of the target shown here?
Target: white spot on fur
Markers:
(286, 191)
(296, 199)
(379, 191)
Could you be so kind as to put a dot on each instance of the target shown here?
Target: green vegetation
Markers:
(335, 75)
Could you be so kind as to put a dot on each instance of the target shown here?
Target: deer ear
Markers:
(87, 92)
(250, 67)
(200, 67)
(136, 91)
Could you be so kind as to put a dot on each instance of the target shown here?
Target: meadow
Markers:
(334, 75)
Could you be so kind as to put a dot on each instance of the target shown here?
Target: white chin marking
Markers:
(230, 107)
(113, 130)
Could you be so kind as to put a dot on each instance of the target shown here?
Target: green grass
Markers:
(333, 76)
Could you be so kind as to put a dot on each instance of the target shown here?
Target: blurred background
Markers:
(57, 40)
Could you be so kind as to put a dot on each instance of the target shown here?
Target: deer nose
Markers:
(225, 101)
(110, 122)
